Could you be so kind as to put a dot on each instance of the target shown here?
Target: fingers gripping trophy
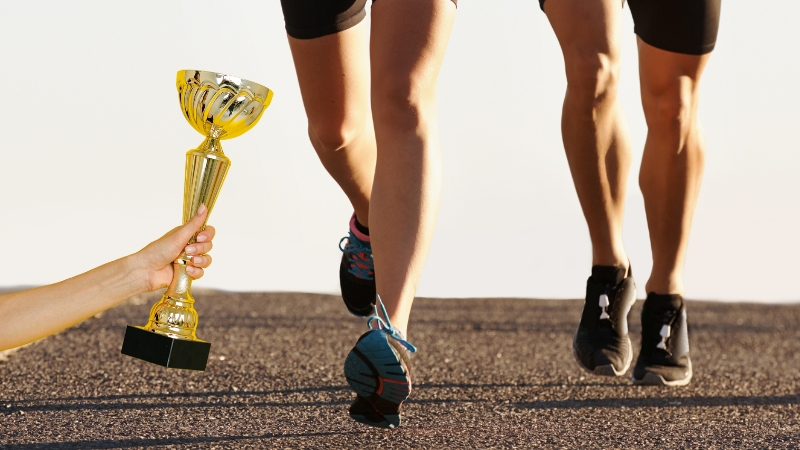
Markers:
(219, 107)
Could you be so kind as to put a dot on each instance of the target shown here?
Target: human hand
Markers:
(156, 258)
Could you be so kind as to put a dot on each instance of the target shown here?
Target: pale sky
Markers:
(93, 145)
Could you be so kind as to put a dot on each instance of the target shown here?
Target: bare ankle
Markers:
(664, 286)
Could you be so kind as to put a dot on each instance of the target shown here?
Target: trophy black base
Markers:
(165, 351)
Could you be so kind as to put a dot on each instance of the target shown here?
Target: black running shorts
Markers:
(680, 26)
(309, 19)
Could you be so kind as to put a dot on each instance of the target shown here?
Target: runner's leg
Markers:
(594, 135)
(407, 46)
(598, 153)
(408, 42)
(670, 176)
(674, 156)
(675, 38)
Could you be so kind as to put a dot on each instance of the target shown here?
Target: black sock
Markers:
(362, 228)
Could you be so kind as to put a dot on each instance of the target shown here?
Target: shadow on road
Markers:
(663, 402)
(305, 390)
(215, 400)
(203, 394)
(126, 443)
(163, 405)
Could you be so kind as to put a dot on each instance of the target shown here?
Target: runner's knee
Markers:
(333, 135)
(592, 77)
(670, 108)
(402, 101)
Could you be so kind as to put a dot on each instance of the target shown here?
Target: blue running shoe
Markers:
(357, 272)
(378, 370)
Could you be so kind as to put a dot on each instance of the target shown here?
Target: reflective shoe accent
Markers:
(664, 336)
(602, 345)
(378, 370)
(604, 303)
(664, 356)
(357, 272)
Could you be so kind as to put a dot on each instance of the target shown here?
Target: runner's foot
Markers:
(357, 272)
(664, 357)
(601, 344)
(378, 370)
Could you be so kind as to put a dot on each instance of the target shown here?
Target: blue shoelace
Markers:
(375, 322)
(359, 253)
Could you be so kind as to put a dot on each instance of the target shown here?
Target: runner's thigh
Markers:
(330, 51)
(408, 43)
(585, 28)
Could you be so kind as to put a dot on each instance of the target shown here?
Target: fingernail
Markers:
(201, 209)
(201, 238)
(190, 249)
(197, 259)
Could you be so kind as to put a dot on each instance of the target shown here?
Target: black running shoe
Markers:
(664, 358)
(357, 272)
(378, 370)
(601, 344)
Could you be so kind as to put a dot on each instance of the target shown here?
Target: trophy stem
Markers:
(206, 167)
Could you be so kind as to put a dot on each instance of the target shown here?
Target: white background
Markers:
(92, 143)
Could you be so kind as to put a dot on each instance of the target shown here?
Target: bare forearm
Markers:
(33, 314)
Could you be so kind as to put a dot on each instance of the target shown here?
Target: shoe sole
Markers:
(654, 379)
(373, 369)
(606, 370)
(363, 419)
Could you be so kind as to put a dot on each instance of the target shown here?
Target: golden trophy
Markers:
(219, 107)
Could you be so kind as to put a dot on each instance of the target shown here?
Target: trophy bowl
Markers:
(220, 106)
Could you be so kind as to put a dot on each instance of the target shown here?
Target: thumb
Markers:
(185, 232)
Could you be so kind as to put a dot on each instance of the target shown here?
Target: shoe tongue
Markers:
(661, 303)
(608, 275)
